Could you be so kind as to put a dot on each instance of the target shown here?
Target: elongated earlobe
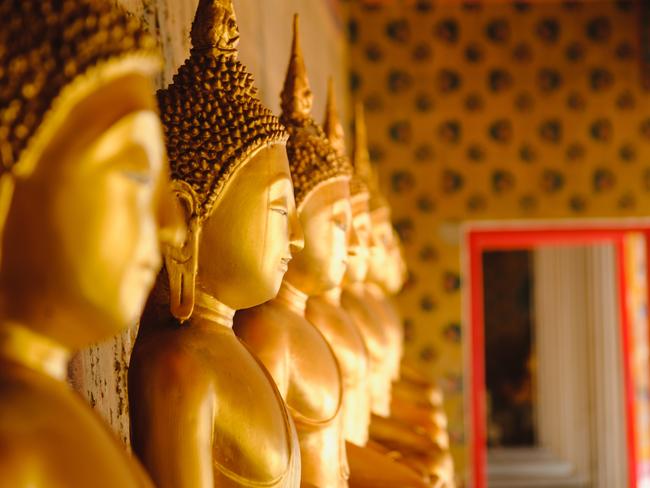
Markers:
(182, 262)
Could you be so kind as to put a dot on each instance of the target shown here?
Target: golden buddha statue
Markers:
(293, 350)
(204, 411)
(81, 141)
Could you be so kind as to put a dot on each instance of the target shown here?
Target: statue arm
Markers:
(173, 435)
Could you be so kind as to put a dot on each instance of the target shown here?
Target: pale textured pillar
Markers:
(100, 372)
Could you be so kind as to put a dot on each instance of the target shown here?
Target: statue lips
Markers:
(284, 266)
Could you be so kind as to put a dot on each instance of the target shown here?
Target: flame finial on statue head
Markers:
(297, 97)
(215, 26)
(363, 167)
(332, 123)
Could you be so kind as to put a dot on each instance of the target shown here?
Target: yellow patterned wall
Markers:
(512, 110)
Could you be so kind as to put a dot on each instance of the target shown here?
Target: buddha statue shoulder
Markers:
(81, 143)
(204, 410)
(294, 351)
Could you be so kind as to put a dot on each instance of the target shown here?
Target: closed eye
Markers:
(143, 178)
(281, 211)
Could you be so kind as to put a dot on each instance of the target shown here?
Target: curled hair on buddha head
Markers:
(313, 159)
(213, 119)
(53, 54)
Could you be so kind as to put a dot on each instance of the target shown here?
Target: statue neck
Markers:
(19, 344)
(333, 296)
(375, 289)
(293, 298)
(356, 287)
(209, 308)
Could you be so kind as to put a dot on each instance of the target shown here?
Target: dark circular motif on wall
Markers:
(427, 303)
(452, 181)
(625, 51)
(528, 203)
(424, 153)
(373, 103)
(499, 80)
(626, 100)
(551, 131)
(425, 204)
(475, 153)
(450, 131)
(374, 52)
(522, 53)
(599, 29)
(548, 80)
(498, 30)
(577, 203)
(600, 79)
(400, 131)
(572, 5)
(451, 282)
(447, 30)
(476, 203)
(552, 181)
(422, 52)
(603, 180)
(627, 201)
(501, 131)
(575, 52)
(376, 153)
(399, 31)
(353, 30)
(354, 81)
(428, 253)
(575, 152)
(627, 153)
(399, 81)
(423, 102)
(452, 332)
(474, 102)
(502, 181)
(402, 181)
(474, 53)
(527, 153)
(601, 130)
(521, 6)
(428, 354)
(576, 101)
(548, 30)
(524, 102)
(424, 6)
(405, 229)
(625, 5)
(448, 81)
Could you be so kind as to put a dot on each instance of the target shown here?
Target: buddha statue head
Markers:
(361, 241)
(80, 139)
(321, 180)
(230, 173)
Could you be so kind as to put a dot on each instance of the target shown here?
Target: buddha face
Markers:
(247, 242)
(360, 247)
(326, 218)
(216, 24)
(382, 233)
(81, 246)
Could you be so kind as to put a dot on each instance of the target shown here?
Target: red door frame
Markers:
(482, 238)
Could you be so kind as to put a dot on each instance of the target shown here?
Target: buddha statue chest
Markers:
(207, 369)
(63, 444)
(348, 345)
(376, 340)
(308, 377)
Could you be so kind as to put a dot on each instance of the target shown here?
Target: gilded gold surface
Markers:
(204, 411)
(80, 142)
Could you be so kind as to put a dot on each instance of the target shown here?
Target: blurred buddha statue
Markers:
(368, 467)
(81, 140)
(294, 351)
(369, 283)
(204, 411)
